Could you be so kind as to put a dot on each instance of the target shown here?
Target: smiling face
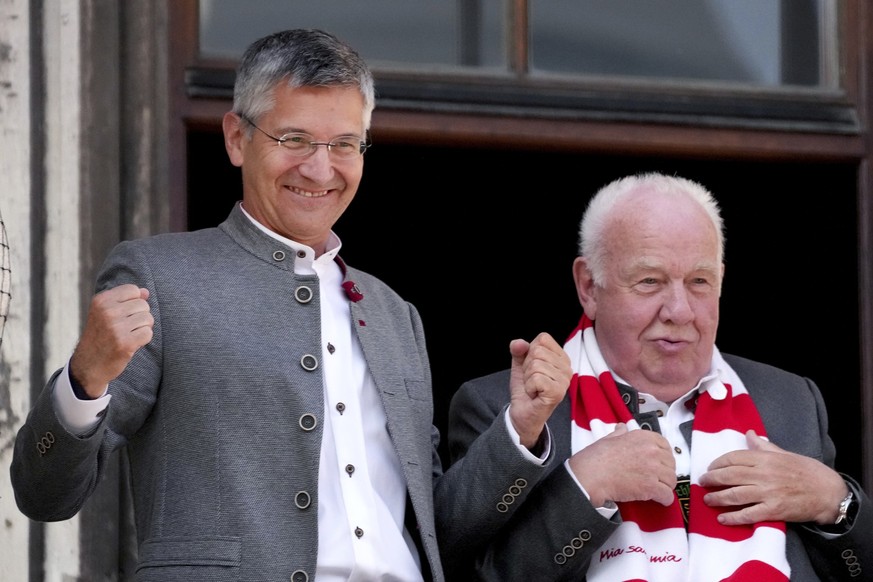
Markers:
(299, 197)
(656, 314)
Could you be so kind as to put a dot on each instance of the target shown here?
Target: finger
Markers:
(550, 349)
(665, 495)
(740, 458)
(141, 336)
(136, 308)
(544, 378)
(122, 293)
(736, 496)
(545, 339)
(742, 516)
(120, 301)
(139, 320)
(727, 476)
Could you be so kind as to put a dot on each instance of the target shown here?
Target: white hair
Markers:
(595, 220)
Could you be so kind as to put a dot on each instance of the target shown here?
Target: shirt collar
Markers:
(710, 382)
(332, 247)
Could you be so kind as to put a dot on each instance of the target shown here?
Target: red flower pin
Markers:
(352, 291)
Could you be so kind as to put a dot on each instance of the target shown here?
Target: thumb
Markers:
(620, 429)
(518, 349)
(757, 443)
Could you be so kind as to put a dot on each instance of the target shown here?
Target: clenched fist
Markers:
(539, 379)
(119, 323)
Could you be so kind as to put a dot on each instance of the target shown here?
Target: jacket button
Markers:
(278, 255)
(299, 576)
(45, 443)
(309, 362)
(303, 294)
(852, 562)
(308, 421)
(302, 500)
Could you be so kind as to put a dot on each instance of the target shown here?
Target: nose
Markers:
(677, 307)
(317, 166)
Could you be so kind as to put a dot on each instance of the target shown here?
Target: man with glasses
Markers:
(275, 402)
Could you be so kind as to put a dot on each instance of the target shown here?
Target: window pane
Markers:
(387, 33)
(758, 42)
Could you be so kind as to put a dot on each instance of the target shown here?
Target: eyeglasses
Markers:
(344, 147)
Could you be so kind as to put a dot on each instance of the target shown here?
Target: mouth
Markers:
(672, 344)
(308, 193)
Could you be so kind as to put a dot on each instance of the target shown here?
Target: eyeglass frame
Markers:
(313, 145)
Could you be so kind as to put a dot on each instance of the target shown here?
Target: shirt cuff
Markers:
(547, 448)
(607, 510)
(78, 416)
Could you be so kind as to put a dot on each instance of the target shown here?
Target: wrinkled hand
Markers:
(636, 465)
(539, 379)
(119, 323)
(767, 483)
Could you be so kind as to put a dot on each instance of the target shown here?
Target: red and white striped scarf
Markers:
(652, 543)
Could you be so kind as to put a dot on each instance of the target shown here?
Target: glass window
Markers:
(387, 33)
(762, 43)
(758, 42)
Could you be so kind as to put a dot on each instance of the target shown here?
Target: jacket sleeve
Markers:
(524, 521)
(796, 418)
(844, 553)
(840, 552)
(53, 472)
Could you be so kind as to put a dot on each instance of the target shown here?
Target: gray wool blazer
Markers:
(221, 419)
(547, 517)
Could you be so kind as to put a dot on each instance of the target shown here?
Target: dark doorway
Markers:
(482, 241)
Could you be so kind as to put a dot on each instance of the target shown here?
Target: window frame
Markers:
(589, 115)
(518, 93)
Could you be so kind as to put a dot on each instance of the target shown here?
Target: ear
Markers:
(234, 135)
(585, 288)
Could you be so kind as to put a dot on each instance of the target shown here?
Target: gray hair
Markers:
(595, 221)
(301, 58)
